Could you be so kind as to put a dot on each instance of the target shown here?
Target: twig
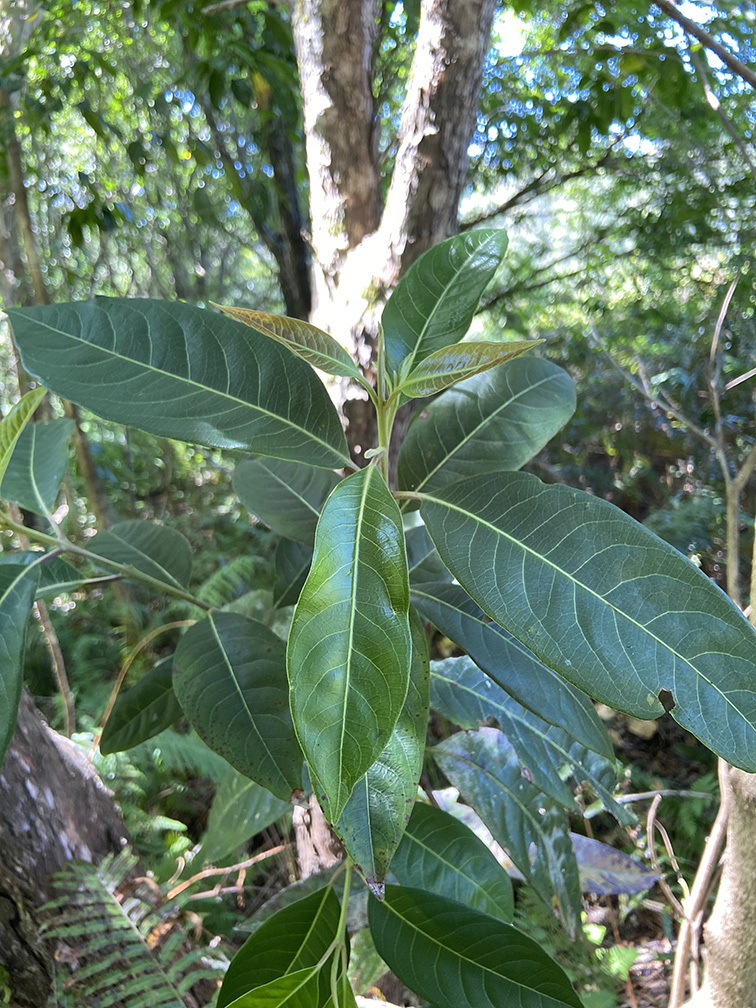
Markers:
(709, 42)
(241, 866)
(651, 826)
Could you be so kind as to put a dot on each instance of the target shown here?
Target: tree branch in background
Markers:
(709, 42)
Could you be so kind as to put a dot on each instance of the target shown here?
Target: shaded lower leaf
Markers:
(379, 807)
(456, 957)
(149, 707)
(349, 647)
(608, 872)
(511, 665)
(292, 561)
(288, 496)
(440, 854)
(292, 941)
(484, 768)
(240, 810)
(56, 575)
(468, 697)
(38, 464)
(603, 601)
(230, 679)
(422, 558)
(152, 549)
(18, 586)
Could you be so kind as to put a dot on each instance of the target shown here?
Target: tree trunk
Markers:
(53, 808)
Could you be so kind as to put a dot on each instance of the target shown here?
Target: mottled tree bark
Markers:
(53, 808)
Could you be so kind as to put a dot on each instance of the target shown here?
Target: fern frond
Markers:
(113, 944)
(182, 754)
(231, 581)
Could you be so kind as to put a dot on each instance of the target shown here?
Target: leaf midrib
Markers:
(590, 591)
(195, 384)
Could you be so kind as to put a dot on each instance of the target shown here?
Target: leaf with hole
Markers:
(230, 679)
(13, 424)
(456, 957)
(515, 669)
(349, 647)
(454, 363)
(143, 711)
(603, 601)
(468, 697)
(293, 940)
(493, 421)
(38, 464)
(434, 303)
(182, 372)
(302, 338)
(155, 550)
(440, 854)
(18, 585)
(288, 496)
(375, 817)
(484, 768)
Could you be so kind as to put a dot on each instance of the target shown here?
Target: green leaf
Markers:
(456, 957)
(149, 707)
(307, 988)
(515, 669)
(439, 854)
(484, 768)
(468, 697)
(376, 815)
(349, 647)
(241, 809)
(12, 425)
(182, 372)
(608, 872)
(56, 575)
(152, 549)
(292, 561)
(18, 585)
(303, 339)
(288, 496)
(454, 363)
(604, 602)
(434, 302)
(294, 939)
(230, 679)
(422, 558)
(36, 468)
(493, 421)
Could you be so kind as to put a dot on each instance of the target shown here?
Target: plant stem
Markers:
(341, 935)
(64, 545)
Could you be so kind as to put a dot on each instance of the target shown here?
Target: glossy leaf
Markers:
(515, 669)
(36, 468)
(433, 304)
(241, 809)
(493, 421)
(453, 364)
(18, 585)
(230, 679)
(13, 424)
(440, 854)
(376, 815)
(182, 372)
(292, 562)
(294, 939)
(456, 957)
(422, 558)
(349, 647)
(156, 550)
(147, 708)
(303, 339)
(604, 602)
(484, 768)
(468, 697)
(288, 496)
(56, 575)
(608, 872)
